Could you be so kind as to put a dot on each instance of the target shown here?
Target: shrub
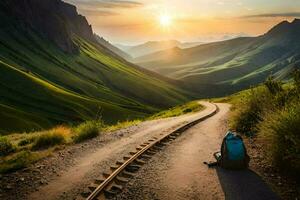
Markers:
(274, 113)
(278, 96)
(63, 130)
(282, 130)
(6, 147)
(248, 111)
(87, 130)
(48, 139)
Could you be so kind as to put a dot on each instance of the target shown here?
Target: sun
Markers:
(165, 20)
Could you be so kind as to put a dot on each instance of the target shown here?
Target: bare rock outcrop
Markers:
(54, 19)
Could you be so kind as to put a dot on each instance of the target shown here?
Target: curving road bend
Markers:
(91, 163)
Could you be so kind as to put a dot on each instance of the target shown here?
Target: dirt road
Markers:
(90, 163)
(178, 171)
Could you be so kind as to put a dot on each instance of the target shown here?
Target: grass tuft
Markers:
(47, 140)
(6, 147)
(87, 130)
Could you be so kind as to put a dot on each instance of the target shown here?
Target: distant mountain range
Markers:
(54, 70)
(154, 46)
(231, 65)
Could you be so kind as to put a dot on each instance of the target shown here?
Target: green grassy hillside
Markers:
(42, 86)
(111, 47)
(231, 65)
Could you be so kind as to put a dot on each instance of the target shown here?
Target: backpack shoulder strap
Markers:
(247, 157)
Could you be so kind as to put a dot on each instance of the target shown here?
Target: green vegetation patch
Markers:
(47, 140)
(190, 107)
(19, 160)
(282, 129)
(272, 112)
(121, 125)
(19, 150)
(87, 130)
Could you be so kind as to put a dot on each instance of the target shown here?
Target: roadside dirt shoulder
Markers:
(283, 185)
(67, 172)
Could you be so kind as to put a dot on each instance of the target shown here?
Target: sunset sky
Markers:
(131, 22)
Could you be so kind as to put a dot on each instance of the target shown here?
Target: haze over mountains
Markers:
(54, 70)
(231, 65)
(154, 46)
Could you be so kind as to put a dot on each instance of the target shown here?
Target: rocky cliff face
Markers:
(54, 19)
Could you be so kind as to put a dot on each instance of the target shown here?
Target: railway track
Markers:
(113, 182)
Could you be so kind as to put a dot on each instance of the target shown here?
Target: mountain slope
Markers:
(54, 73)
(154, 46)
(111, 47)
(231, 65)
(174, 59)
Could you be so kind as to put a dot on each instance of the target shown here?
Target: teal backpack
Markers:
(233, 153)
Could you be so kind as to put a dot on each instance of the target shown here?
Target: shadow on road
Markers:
(244, 185)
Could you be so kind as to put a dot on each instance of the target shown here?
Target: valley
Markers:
(231, 65)
(45, 81)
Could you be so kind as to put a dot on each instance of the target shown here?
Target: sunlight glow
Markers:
(165, 20)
